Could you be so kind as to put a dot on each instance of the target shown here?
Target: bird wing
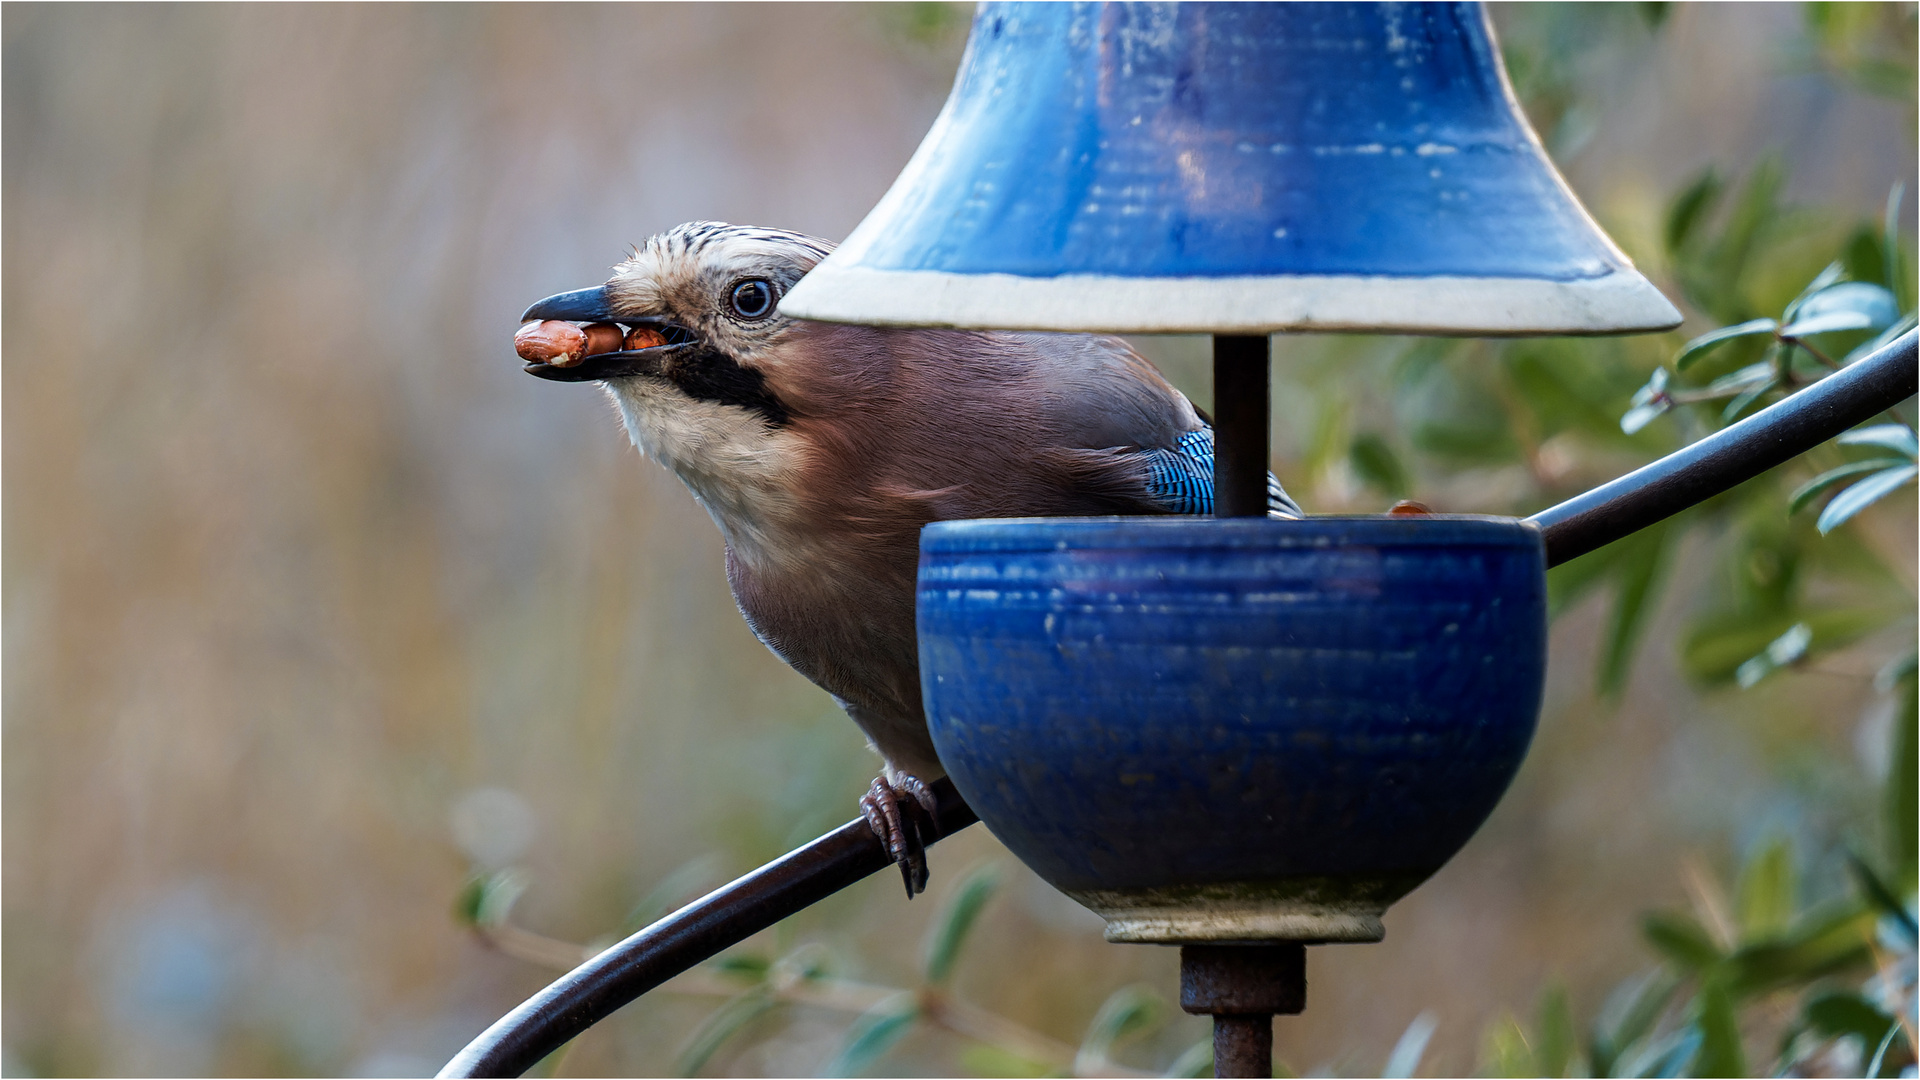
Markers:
(1109, 396)
(1181, 479)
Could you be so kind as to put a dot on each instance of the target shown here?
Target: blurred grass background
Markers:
(315, 606)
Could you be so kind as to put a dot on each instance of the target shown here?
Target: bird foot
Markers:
(901, 813)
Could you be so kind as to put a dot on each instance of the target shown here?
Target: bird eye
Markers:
(752, 299)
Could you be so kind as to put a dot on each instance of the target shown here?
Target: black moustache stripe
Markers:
(710, 375)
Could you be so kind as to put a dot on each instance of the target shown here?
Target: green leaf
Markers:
(1506, 1051)
(1129, 1010)
(1901, 799)
(1896, 671)
(1641, 415)
(1717, 647)
(1693, 204)
(1769, 888)
(1377, 466)
(487, 900)
(1830, 276)
(1868, 304)
(1826, 324)
(1747, 397)
(873, 1034)
(809, 962)
(1720, 1053)
(1636, 570)
(1668, 1056)
(1720, 278)
(1656, 387)
(1863, 255)
(466, 903)
(950, 930)
(722, 1024)
(1780, 652)
(1862, 495)
(750, 966)
(1885, 338)
(1681, 939)
(1693, 350)
(1820, 944)
(1412, 1045)
(1876, 1067)
(1898, 438)
(1744, 378)
(1811, 490)
(1555, 1043)
(1843, 1012)
(1882, 896)
(1627, 1018)
(1648, 402)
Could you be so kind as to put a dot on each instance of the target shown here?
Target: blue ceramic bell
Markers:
(1232, 168)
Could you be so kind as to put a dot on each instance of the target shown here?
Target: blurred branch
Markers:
(532, 948)
(936, 1007)
(969, 1021)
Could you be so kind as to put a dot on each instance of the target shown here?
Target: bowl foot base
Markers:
(1228, 919)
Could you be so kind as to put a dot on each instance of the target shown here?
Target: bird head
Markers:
(714, 400)
(712, 292)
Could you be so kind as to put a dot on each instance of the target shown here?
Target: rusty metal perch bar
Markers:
(699, 931)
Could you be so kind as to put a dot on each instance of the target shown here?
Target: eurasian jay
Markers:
(820, 450)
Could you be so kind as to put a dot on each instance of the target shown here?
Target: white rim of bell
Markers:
(1615, 303)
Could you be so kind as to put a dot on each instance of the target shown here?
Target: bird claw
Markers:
(902, 813)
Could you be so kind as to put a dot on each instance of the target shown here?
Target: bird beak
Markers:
(580, 305)
(592, 306)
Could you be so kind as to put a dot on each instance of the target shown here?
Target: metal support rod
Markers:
(1243, 1045)
(591, 992)
(731, 914)
(1240, 410)
(1733, 455)
(1242, 987)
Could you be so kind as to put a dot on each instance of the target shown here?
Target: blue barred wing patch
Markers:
(1181, 479)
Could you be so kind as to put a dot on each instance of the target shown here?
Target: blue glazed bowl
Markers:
(1233, 730)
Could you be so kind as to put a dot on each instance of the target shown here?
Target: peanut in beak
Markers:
(563, 344)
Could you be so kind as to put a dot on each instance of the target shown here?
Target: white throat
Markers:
(742, 471)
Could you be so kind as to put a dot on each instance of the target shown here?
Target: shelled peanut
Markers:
(564, 344)
(644, 337)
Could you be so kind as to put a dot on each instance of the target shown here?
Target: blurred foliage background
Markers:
(355, 681)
